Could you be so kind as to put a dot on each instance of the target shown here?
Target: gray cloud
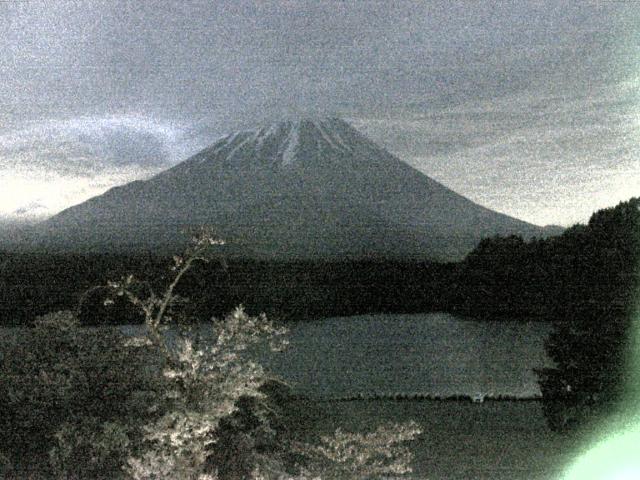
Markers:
(32, 209)
(86, 146)
(46, 166)
(539, 157)
(474, 93)
(246, 59)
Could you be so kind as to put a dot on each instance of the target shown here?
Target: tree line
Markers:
(32, 284)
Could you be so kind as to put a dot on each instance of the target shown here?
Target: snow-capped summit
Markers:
(300, 188)
(285, 142)
(291, 138)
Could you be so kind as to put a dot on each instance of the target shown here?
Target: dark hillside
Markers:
(36, 283)
(587, 268)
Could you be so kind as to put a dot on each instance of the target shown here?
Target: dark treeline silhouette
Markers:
(36, 283)
(591, 345)
(589, 267)
(585, 281)
(33, 284)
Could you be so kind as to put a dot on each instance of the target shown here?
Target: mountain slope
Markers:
(311, 188)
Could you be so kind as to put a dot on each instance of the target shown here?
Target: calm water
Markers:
(425, 354)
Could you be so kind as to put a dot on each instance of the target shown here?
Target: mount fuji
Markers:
(297, 189)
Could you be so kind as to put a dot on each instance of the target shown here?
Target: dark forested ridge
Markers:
(36, 283)
(586, 281)
(587, 268)
(591, 346)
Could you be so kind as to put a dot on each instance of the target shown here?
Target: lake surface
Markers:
(425, 354)
(436, 355)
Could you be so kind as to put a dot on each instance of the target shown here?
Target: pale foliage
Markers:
(205, 383)
(380, 453)
(157, 309)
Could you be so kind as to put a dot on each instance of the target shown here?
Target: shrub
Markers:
(59, 377)
(377, 454)
(89, 448)
(206, 386)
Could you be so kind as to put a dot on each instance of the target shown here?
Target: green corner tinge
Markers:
(614, 451)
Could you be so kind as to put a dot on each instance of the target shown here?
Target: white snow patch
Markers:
(287, 135)
(326, 136)
(239, 146)
(291, 145)
(265, 133)
(335, 135)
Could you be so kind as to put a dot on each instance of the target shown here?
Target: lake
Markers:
(435, 355)
(430, 355)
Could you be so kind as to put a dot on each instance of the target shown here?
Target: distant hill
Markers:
(298, 189)
(552, 230)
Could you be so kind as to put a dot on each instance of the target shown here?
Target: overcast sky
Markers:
(530, 108)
